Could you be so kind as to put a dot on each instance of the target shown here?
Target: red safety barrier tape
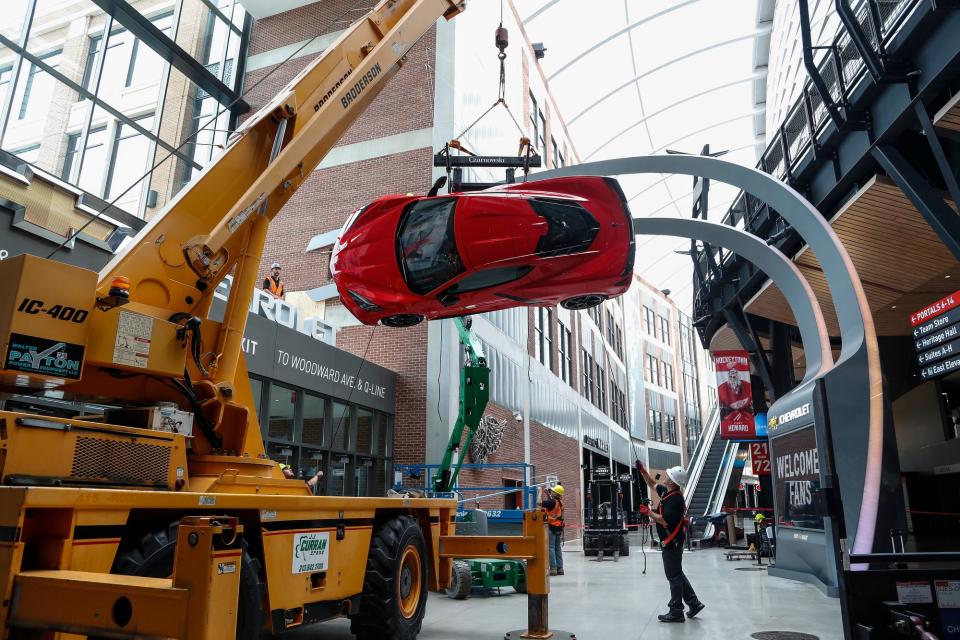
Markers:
(912, 511)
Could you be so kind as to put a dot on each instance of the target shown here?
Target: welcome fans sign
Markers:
(734, 395)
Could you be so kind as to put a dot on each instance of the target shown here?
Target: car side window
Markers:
(488, 278)
(570, 227)
(426, 246)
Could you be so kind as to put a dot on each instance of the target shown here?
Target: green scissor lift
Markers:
(489, 573)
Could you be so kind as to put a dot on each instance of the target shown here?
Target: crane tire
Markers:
(394, 596)
(152, 557)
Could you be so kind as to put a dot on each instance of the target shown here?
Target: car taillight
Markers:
(364, 303)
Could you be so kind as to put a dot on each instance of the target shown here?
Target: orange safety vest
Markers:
(275, 288)
(680, 525)
(555, 515)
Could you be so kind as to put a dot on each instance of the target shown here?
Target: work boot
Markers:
(675, 615)
(553, 572)
(559, 572)
(695, 608)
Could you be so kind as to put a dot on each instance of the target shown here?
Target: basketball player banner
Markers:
(734, 395)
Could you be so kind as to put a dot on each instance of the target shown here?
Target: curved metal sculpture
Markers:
(859, 363)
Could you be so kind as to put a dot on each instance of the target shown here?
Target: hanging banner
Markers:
(734, 395)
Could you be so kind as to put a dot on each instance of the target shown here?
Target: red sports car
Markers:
(566, 241)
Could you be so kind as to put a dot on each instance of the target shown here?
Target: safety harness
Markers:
(680, 525)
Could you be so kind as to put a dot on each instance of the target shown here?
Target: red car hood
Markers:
(499, 228)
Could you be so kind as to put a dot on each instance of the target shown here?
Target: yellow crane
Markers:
(112, 527)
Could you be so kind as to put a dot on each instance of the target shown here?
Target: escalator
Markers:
(711, 473)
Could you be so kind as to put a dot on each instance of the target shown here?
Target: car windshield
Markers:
(427, 248)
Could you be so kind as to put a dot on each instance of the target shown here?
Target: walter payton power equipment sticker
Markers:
(45, 357)
(310, 552)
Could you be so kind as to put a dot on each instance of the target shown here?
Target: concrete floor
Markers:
(615, 600)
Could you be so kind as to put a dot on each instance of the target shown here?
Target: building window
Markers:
(655, 425)
(280, 412)
(664, 330)
(543, 133)
(618, 342)
(668, 377)
(649, 324)
(596, 314)
(587, 368)
(39, 87)
(129, 161)
(543, 336)
(534, 121)
(671, 429)
(30, 153)
(89, 177)
(556, 152)
(653, 369)
(601, 388)
(565, 347)
(314, 419)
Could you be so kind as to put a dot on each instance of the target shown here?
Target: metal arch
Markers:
(786, 275)
(660, 67)
(616, 35)
(713, 125)
(539, 11)
(676, 104)
(859, 341)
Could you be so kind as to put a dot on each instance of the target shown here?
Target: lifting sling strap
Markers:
(680, 525)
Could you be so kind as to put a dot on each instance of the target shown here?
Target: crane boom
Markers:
(218, 224)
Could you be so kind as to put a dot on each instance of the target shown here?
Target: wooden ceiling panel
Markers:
(901, 262)
(949, 116)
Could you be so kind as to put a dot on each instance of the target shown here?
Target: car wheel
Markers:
(583, 302)
(402, 320)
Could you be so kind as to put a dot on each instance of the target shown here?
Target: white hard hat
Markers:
(678, 475)
(275, 265)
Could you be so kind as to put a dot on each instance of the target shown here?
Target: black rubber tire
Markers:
(624, 546)
(461, 580)
(152, 557)
(402, 320)
(380, 616)
(521, 586)
(583, 302)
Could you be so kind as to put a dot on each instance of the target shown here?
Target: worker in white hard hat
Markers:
(670, 518)
(273, 283)
(552, 502)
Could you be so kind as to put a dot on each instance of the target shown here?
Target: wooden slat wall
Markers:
(900, 260)
(949, 116)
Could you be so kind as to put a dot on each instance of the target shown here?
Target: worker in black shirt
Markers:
(669, 519)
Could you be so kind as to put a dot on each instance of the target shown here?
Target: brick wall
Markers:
(551, 453)
(329, 196)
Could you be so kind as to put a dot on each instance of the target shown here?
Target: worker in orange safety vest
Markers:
(273, 283)
(553, 505)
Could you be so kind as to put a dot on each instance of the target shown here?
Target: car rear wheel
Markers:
(402, 320)
(583, 302)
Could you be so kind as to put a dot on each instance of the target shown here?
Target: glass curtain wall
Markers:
(352, 445)
(85, 100)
